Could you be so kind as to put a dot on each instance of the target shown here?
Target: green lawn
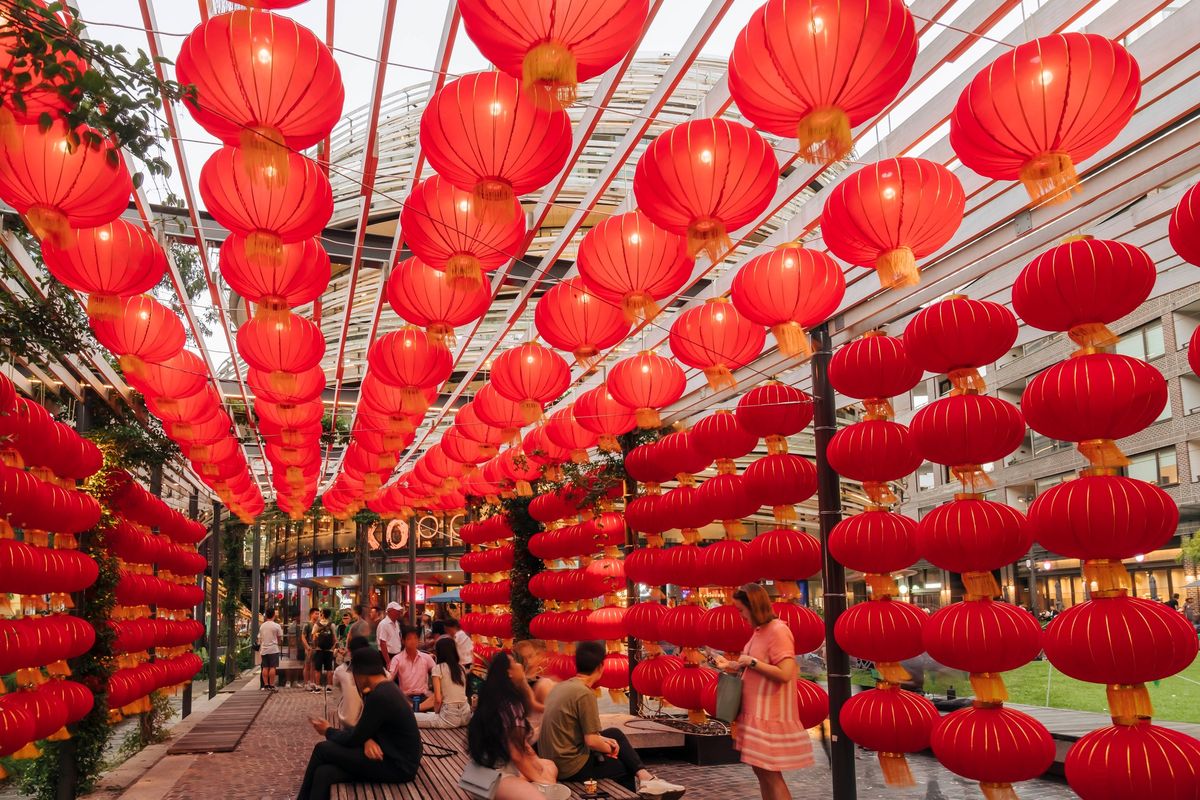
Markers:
(1038, 684)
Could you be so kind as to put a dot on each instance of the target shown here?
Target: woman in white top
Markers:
(448, 708)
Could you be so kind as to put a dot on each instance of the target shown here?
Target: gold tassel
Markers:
(413, 400)
(980, 585)
(437, 333)
(880, 492)
(824, 135)
(531, 410)
(608, 443)
(60, 735)
(1093, 335)
(273, 309)
(132, 365)
(282, 382)
(896, 772)
(27, 752)
(579, 456)
(878, 408)
(776, 444)
(648, 418)
(971, 476)
(494, 201)
(892, 672)
(1128, 702)
(989, 687)
(264, 156)
(1105, 576)
(50, 225)
(788, 590)
(464, 271)
(733, 528)
(104, 307)
(881, 585)
(998, 791)
(785, 513)
(708, 236)
(588, 358)
(696, 716)
(264, 249)
(549, 69)
(639, 306)
(966, 381)
(726, 466)
(897, 268)
(1103, 453)
(792, 340)
(1050, 178)
(524, 489)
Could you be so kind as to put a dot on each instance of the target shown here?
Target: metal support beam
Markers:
(412, 572)
(255, 585)
(361, 556)
(214, 566)
(197, 612)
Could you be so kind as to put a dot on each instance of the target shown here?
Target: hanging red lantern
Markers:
(299, 276)
(716, 339)
(785, 556)
(627, 260)
(562, 429)
(875, 452)
(647, 565)
(646, 383)
(957, 335)
(1126, 762)
(145, 331)
(309, 385)
(556, 45)
(26, 90)
(107, 262)
(885, 631)
(542, 450)
(1081, 286)
(181, 375)
(644, 466)
(789, 290)
(683, 625)
(597, 411)
(530, 375)
(1023, 117)
(423, 296)
(724, 629)
(890, 213)
(1184, 228)
(705, 178)
(966, 432)
(281, 346)
(407, 360)
(486, 136)
(448, 232)
(814, 71)
(876, 541)
(973, 535)
(58, 179)
(728, 563)
(806, 626)
(993, 745)
(677, 455)
(892, 722)
(781, 480)
(571, 318)
(775, 411)
(1103, 517)
(1092, 399)
(467, 421)
(872, 369)
(499, 412)
(642, 621)
(729, 501)
(720, 437)
(983, 637)
(264, 83)
(648, 675)
(813, 703)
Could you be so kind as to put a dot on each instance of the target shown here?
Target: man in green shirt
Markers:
(571, 736)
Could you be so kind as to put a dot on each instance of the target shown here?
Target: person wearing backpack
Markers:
(324, 638)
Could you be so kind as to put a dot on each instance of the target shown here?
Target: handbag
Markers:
(479, 781)
(729, 696)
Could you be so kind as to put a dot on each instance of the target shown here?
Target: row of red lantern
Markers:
(147, 590)
(136, 635)
(487, 594)
(491, 529)
(496, 559)
(128, 685)
(31, 503)
(781, 554)
(33, 714)
(126, 496)
(36, 641)
(582, 539)
(29, 569)
(498, 626)
(601, 576)
(1184, 233)
(31, 438)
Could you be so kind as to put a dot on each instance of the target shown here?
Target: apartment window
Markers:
(1050, 481)
(925, 477)
(1042, 445)
(944, 386)
(923, 510)
(919, 395)
(1146, 342)
(1157, 466)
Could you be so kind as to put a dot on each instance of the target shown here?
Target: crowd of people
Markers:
(527, 734)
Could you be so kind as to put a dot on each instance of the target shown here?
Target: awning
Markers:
(445, 597)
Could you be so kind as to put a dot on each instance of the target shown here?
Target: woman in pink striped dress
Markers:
(768, 731)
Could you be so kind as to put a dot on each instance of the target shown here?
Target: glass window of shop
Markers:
(1158, 466)
(1146, 342)
(925, 477)
(1042, 484)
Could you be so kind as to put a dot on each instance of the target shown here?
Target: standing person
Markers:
(466, 648)
(1189, 611)
(411, 669)
(448, 707)
(387, 635)
(572, 738)
(270, 637)
(324, 638)
(384, 745)
(310, 680)
(350, 704)
(1174, 602)
(499, 737)
(359, 626)
(768, 731)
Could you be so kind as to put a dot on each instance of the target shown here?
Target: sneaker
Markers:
(328, 689)
(658, 789)
(554, 791)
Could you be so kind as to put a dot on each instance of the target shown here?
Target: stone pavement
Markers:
(270, 761)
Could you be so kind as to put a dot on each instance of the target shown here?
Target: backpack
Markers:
(325, 639)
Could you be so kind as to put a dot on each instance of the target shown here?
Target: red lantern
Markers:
(108, 262)
(729, 563)
(423, 296)
(789, 290)
(597, 411)
(685, 688)
(181, 375)
(571, 318)
(648, 675)
(530, 375)
(994, 745)
(1093, 399)
(716, 339)
(983, 637)
(884, 631)
(966, 431)
(875, 452)
(39, 92)
(806, 626)
(814, 71)
(16, 726)
(264, 83)
(890, 213)
(59, 179)
(627, 260)
(1184, 229)
(281, 347)
(145, 331)
(299, 276)
(562, 430)
(957, 335)
(1126, 762)
(607, 623)
(891, 722)
(786, 556)
(554, 46)
(678, 456)
(1083, 285)
(486, 136)
(724, 629)
(875, 541)
(1103, 517)
(493, 409)
(705, 178)
(646, 383)
(728, 500)
(720, 437)
(407, 360)
(775, 411)
(447, 231)
(643, 620)
(781, 481)
(973, 535)
(813, 703)
(873, 369)
(1043, 107)
(309, 384)
(683, 625)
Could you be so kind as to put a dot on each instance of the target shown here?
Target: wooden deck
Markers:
(438, 777)
(1067, 726)
(224, 728)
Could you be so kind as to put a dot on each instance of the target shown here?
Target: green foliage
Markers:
(40, 330)
(152, 731)
(104, 86)
(144, 445)
(525, 565)
(233, 575)
(1189, 550)
(334, 432)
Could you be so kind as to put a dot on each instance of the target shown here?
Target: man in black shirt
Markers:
(385, 745)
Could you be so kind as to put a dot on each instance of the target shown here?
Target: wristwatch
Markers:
(753, 663)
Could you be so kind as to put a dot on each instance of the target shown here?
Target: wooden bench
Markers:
(438, 777)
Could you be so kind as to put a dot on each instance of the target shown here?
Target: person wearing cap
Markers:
(388, 633)
(384, 746)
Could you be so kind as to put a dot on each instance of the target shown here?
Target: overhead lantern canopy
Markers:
(816, 68)
(108, 262)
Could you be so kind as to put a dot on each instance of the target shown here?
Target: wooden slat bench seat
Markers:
(438, 777)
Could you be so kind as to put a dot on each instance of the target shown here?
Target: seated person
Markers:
(384, 746)
(350, 703)
(448, 708)
(572, 738)
(498, 737)
(532, 655)
(411, 669)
